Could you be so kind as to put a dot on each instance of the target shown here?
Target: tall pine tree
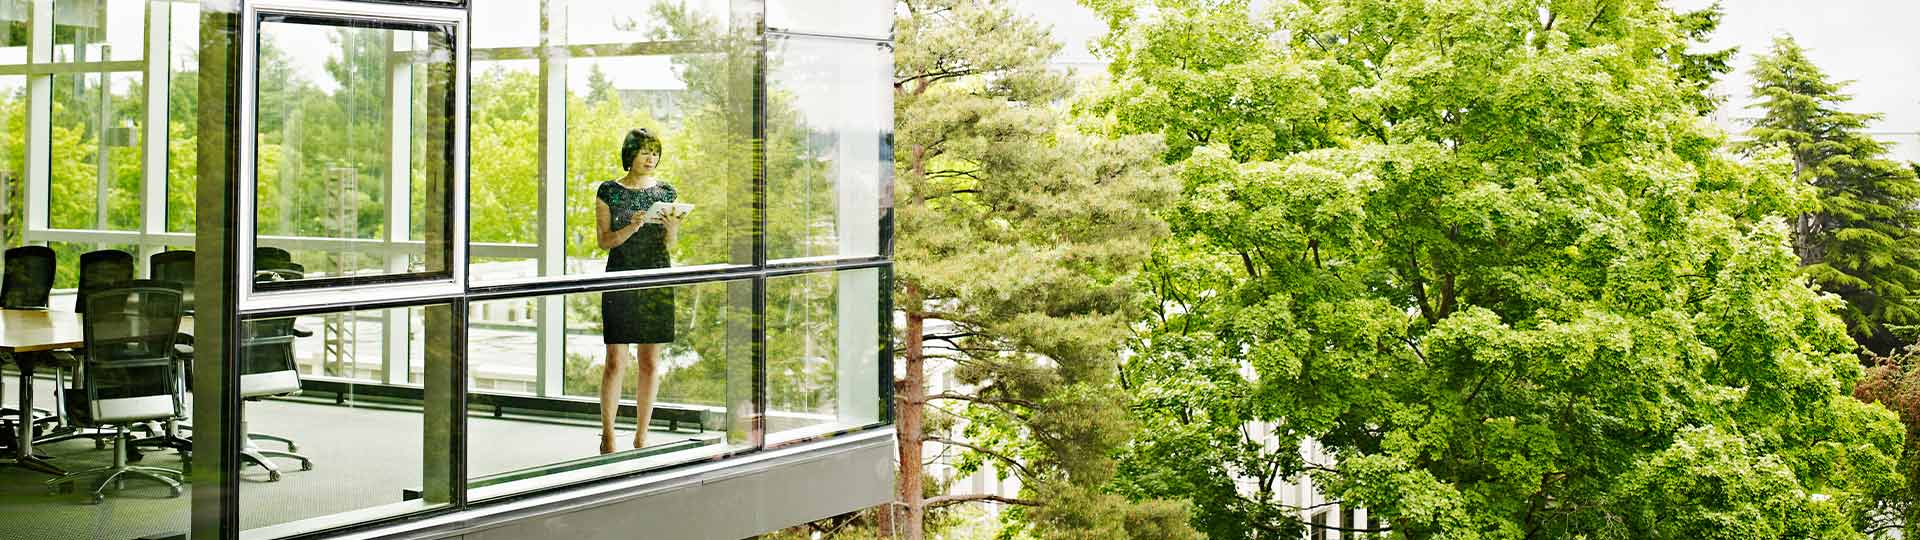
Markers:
(1019, 239)
(1858, 239)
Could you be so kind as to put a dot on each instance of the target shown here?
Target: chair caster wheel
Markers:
(97, 499)
(306, 465)
(273, 476)
(173, 491)
(293, 447)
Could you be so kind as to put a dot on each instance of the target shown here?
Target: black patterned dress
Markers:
(646, 315)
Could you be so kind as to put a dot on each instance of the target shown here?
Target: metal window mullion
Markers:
(396, 322)
(757, 12)
(153, 187)
(551, 325)
(216, 383)
(39, 116)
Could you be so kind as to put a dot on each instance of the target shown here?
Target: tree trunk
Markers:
(909, 414)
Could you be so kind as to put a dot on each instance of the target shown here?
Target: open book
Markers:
(661, 209)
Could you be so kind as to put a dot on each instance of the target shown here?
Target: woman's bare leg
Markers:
(649, 386)
(610, 377)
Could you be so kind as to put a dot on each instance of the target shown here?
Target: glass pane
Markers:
(14, 32)
(13, 157)
(331, 422)
(505, 23)
(95, 30)
(326, 163)
(594, 22)
(96, 152)
(183, 115)
(505, 169)
(829, 112)
(546, 399)
(823, 353)
(697, 108)
(842, 17)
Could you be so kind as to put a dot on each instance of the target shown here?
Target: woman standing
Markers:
(641, 318)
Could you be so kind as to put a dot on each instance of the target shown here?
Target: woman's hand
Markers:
(670, 222)
(606, 237)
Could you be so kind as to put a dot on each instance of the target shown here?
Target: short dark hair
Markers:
(637, 139)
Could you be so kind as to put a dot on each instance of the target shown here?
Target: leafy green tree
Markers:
(1491, 258)
(1858, 240)
(1018, 241)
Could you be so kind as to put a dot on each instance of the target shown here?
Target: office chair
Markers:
(175, 267)
(128, 377)
(267, 369)
(102, 270)
(27, 284)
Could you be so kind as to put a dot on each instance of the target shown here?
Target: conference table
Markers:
(29, 337)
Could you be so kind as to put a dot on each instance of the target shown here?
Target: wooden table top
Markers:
(23, 330)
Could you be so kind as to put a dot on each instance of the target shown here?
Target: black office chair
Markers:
(128, 376)
(175, 266)
(273, 258)
(102, 270)
(28, 282)
(267, 369)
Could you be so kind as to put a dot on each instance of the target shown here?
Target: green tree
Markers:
(1858, 240)
(1018, 241)
(1491, 258)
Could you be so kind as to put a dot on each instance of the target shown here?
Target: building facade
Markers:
(392, 208)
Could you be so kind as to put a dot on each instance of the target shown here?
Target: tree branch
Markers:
(1021, 468)
(947, 500)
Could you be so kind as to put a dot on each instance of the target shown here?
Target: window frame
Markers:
(353, 290)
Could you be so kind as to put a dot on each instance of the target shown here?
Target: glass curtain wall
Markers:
(767, 308)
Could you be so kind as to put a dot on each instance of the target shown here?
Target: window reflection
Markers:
(827, 117)
(375, 449)
(823, 353)
(704, 379)
(864, 18)
(327, 153)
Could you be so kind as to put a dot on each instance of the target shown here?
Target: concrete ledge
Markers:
(723, 500)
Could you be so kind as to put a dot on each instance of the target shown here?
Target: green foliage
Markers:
(1858, 241)
(1021, 236)
(1489, 257)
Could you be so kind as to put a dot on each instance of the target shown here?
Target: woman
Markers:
(642, 318)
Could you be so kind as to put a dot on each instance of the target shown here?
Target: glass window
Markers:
(97, 30)
(13, 157)
(828, 114)
(701, 383)
(696, 108)
(823, 353)
(14, 31)
(96, 151)
(183, 115)
(593, 22)
(374, 449)
(505, 167)
(870, 18)
(326, 159)
(506, 23)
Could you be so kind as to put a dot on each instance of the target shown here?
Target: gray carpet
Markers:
(364, 457)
